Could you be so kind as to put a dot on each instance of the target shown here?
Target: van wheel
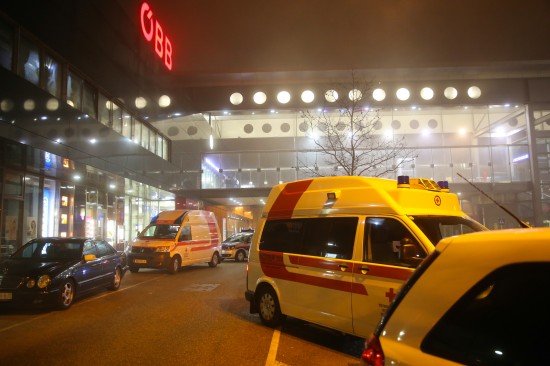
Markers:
(175, 265)
(240, 256)
(269, 309)
(215, 260)
(134, 269)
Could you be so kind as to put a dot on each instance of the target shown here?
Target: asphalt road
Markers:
(196, 317)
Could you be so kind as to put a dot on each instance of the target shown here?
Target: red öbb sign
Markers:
(151, 28)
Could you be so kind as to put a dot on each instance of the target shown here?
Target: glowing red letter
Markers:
(148, 34)
(168, 53)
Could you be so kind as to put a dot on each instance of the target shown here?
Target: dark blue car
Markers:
(55, 270)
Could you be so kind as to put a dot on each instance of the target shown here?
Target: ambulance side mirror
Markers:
(409, 253)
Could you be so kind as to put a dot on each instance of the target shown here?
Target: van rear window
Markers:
(329, 237)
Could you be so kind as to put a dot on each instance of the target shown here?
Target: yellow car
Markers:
(478, 299)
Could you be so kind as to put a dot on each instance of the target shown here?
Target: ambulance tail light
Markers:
(372, 354)
(403, 181)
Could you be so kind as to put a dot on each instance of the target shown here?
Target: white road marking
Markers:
(272, 354)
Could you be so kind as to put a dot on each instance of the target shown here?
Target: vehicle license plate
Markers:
(5, 296)
(142, 261)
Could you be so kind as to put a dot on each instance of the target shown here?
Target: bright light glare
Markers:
(259, 98)
(283, 97)
(308, 96)
(379, 94)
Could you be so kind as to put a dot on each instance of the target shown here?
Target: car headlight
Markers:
(163, 249)
(44, 281)
(30, 283)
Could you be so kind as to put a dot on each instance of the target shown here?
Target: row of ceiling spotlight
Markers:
(378, 94)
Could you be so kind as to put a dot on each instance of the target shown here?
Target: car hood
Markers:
(29, 267)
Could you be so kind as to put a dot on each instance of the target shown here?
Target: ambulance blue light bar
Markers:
(403, 181)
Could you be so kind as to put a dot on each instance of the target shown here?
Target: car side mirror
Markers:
(410, 254)
(89, 257)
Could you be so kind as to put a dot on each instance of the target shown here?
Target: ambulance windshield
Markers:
(159, 231)
(439, 227)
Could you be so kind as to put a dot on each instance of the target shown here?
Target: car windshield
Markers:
(439, 227)
(234, 239)
(159, 231)
(50, 250)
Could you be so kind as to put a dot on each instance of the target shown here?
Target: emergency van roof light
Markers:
(443, 184)
(403, 181)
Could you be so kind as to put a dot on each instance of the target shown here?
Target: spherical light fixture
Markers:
(29, 105)
(259, 97)
(141, 102)
(307, 96)
(52, 104)
(164, 101)
(450, 93)
(379, 94)
(403, 94)
(331, 96)
(474, 92)
(236, 98)
(355, 95)
(427, 93)
(283, 97)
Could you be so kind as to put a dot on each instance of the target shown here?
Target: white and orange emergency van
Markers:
(334, 250)
(177, 238)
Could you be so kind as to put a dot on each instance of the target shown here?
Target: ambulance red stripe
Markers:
(285, 203)
(273, 266)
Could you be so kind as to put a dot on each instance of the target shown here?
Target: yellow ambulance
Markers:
(177, 238)
(334, 250)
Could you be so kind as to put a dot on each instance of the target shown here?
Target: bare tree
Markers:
(348, 138)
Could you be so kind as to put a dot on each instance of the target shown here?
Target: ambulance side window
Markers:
(384, 237)
(321, 237)
(185, 233)
(281, 236)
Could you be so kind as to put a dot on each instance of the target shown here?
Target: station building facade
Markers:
(77, 161)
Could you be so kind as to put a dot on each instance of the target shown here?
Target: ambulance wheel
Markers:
(175, 264)
(268, 307)
(215, 260)
(240, 256)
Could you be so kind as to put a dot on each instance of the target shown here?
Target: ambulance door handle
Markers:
(364, 269)
(343, 267)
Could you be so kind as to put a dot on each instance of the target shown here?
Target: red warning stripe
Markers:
(288, 198)
(273, 265)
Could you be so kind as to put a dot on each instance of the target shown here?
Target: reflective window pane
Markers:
(29, 61)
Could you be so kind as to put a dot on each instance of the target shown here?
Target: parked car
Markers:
(479, 299)
(56, 270)
(237, 246)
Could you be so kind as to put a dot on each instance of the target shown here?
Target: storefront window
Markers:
(50, 206)
(66, 209)
(32, 207)
(79, 226)
(92, 222)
